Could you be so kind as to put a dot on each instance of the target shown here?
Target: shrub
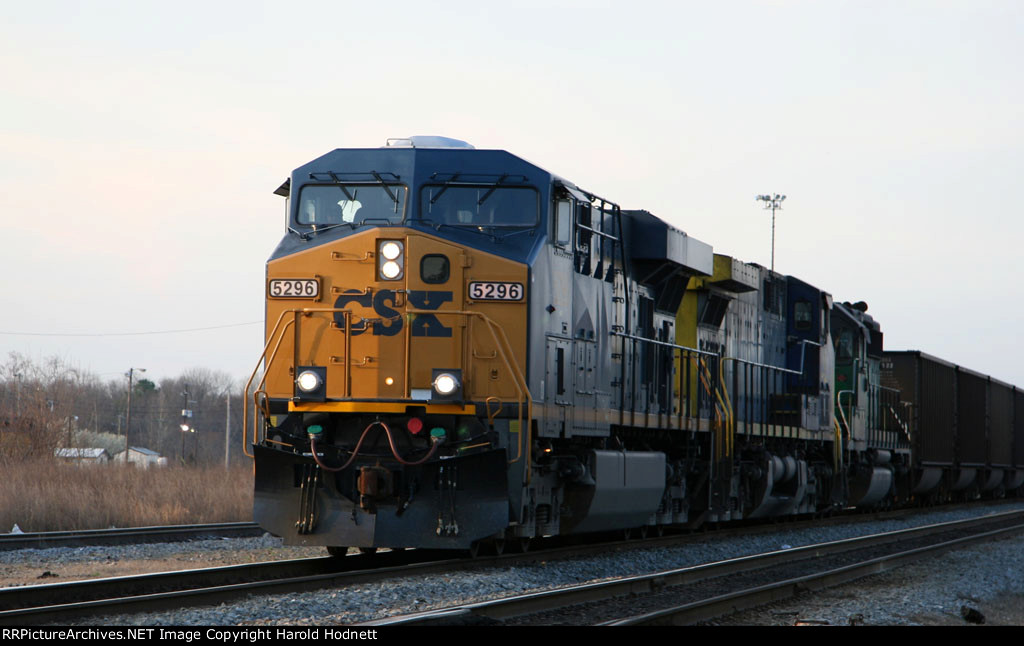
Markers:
(46, 495)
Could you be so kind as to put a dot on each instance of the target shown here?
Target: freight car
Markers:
(464, 349)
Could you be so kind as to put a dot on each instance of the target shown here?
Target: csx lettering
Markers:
(352, 296)
(391, 320)
(428, 324)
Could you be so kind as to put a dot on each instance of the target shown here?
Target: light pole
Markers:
(772, 202)
(186, 421)
(128, 422)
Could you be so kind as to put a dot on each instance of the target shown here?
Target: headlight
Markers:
(391, 270)
(311, 383)
(391, 259)
(445, 384)
(308, 381)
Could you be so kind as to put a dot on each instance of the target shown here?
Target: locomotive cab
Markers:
(396, 333)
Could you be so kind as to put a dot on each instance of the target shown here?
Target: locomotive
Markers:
(464, 349)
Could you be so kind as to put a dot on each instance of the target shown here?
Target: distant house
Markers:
(142, 457)
(82, 456)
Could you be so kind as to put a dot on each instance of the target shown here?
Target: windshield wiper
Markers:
(337, 182)
(520, 228)
(492, 189)
(306, 235)
(475, 228)
(385, 186)
(351, 196)
(444, 188)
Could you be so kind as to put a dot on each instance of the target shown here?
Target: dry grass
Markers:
(49, 496)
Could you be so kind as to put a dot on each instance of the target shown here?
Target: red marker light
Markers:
(415, 425)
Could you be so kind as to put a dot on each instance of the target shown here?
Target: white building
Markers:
(142, 457)
(83, 456)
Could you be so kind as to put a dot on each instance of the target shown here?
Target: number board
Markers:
(294, 288)
(495, 291)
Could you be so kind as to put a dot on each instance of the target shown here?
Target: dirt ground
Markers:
(39, 571)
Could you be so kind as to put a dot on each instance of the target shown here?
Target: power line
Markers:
(195, 329)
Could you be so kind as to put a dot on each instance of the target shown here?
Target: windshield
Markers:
(479, 206)
(351, 204)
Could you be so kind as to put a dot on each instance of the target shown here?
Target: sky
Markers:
(140, 144)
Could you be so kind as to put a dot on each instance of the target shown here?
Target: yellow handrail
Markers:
(245, 409)
(842, 417)
(723, 416)
(705, 377)
(730, 414)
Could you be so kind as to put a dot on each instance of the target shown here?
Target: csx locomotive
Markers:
(464, 349)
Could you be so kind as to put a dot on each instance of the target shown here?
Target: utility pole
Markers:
(17, 401)
(772, 202)
(128, 422)
(68, 420)
(227, 428)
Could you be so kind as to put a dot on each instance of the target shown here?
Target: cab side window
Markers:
(563, 222)
(802, 315)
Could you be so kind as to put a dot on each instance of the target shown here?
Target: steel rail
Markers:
(60, 602)
(127, 535)
(30, 596)
(520, 605)
(93, 597)
(163, 590)
(751, 598)
(171, 590)
(56, 602)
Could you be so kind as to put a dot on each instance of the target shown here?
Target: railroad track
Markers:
(127, 535)
(63, 602)
(701, 593)
(172, 533)
(66, 601)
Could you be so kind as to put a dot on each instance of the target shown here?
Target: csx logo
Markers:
(391, 320)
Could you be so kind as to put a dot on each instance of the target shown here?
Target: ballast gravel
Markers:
(988, 579)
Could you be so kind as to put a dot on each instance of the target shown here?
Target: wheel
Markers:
(627, 534)
(337, 551)
(474, 549)
(499, 546)
(643, 532)
(524, 545)
(367, 550)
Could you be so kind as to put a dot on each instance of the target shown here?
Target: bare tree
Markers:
(52, 404)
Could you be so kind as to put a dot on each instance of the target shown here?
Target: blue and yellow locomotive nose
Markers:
(392, 370)
(372, 318)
